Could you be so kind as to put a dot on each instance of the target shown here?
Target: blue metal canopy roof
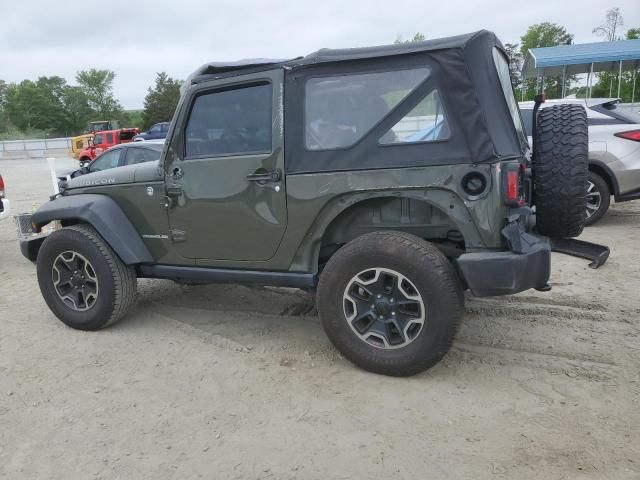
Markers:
(578, 58)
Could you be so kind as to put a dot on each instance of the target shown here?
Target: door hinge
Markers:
(174, 190)
(178, 236)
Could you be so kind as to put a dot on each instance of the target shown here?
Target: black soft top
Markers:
(345, 54)
(325, 55)
(463, 70)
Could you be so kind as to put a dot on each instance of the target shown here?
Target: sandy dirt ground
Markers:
(230, 382)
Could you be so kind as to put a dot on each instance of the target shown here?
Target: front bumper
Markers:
(6, 208)
(503, 273)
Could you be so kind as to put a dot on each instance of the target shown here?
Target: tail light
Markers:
(1, 187)
(513, 184)
(630, 135)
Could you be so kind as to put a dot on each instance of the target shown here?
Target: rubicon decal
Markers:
(99, 181)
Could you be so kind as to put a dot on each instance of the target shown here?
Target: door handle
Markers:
(263, 176)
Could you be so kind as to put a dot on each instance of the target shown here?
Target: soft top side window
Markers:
(426, 122)
(340, 110)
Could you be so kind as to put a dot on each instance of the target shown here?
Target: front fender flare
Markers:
(103, 214)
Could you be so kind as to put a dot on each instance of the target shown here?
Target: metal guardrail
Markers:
(35, 145)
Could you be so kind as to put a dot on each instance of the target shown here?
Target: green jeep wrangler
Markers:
(389, 179)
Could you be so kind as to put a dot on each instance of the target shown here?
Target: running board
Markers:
(598, 254)
(223, 275)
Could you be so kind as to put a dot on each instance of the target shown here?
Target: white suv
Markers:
(614, 151)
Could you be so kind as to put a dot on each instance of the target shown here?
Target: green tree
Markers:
(633, 34)
(24, 106)
(77, 112)
(3, 101)
(515, 63)
(51, 107)
(97, 85)
(161, 100)
(418, 37)
(545, 34)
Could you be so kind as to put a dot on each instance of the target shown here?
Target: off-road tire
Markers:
(422, 264)
(560, 168)
(600, 185)
(117, 281)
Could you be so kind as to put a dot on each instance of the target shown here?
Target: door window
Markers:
(230, 122)
(109, 159)
(97, 139)
(110, 138)
(155, 129)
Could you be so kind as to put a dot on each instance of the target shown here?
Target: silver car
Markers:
(614, 151)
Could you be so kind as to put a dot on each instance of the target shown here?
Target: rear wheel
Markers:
(82, 280)
(390, 302)
(598, 198)
(560, 168)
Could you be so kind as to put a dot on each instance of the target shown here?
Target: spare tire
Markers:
(560, 170)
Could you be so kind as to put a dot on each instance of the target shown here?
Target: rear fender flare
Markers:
(306, 258)
(103, 214)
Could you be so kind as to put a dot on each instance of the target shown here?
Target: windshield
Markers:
(502, 65)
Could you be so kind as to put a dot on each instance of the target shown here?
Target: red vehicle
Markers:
(105, 139)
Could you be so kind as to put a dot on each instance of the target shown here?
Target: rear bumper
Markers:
(5, 208)
(503, 273)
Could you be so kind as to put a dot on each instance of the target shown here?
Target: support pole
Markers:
(633, 89)
(590, 81)
(619, 76)
(611, 82)
(564, 75)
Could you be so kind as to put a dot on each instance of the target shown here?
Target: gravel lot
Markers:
(235, 382)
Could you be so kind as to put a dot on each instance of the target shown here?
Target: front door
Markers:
(225, 175)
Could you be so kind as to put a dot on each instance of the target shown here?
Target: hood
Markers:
(143, 172)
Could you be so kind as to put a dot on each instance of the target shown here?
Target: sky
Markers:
(136, 39)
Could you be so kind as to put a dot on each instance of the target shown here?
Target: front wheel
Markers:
(83, 281)
(598, 198)
(390, 302)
